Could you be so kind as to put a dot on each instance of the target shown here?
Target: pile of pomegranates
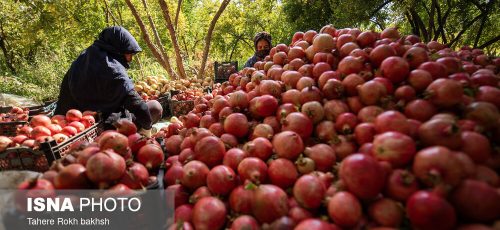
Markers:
(43, 128)
(121, 161)
(343, 129)
(15, 114)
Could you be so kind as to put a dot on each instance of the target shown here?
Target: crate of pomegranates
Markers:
(35, 145)
(224, 69)
(179, 108)
(12, 119)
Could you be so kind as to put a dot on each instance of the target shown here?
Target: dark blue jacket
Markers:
(97, 80)
(251, 61)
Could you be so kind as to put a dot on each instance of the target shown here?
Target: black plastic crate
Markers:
(9, 129)
(165, 104)
(223, 70)
(179, 108)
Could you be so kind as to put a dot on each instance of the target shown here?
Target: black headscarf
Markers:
(97, 80)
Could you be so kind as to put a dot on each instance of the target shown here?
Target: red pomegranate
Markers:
(209, 213)
(105, 167)
(427, 210)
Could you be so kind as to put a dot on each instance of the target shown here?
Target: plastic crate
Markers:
(48, 109)
(165, 104)
(223, 70)
(54, 151)
(23, 158)
(9, 129)
(179, 108)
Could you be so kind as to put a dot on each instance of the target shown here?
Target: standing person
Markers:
(263, 43)
(97, 80)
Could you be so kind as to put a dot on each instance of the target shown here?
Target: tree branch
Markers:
(483, 21)
(208, 38)
(110, 13)
(469, 24)
(379, 8)
(443, 23)
(159, 44)
(145, 35)
(420, 24)
(414, 27)
(173, 37)
(490, 42)
(177, 12)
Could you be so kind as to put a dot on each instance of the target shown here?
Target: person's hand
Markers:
(145, 132)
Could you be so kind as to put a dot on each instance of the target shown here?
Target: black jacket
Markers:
(97, 80)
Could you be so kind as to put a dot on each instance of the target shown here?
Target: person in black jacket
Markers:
(263, 43)
(97, 80)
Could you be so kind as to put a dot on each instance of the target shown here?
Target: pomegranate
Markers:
(259, 147)
(151, 156)
(288, 144)
(380, 53)
(476, 145)
(184, 213)
(364, 133)
(245, 222)
(345, 123)
(421, 110)
(282, 172)
(437, 165)
(194, 174)
(489, 94)
(427, 210)
(236, 124)
(476, 201)
(174, 174)
(437, 70)
(253, 169)
(345, 209)
(396, 148)
(350, 65)
(333, 108)
(371, 92)
(241, 200)
(333, 89)
(363, 176)
(396, 69)
(270, 204)
(392, 121)
(105, 167)
(72, 176)
(209, 213)
(221, 180)
(298, 213)
(114, 140)
(125, 127)
(445, 92)
(486, 174)
(40, 120)
(386, 212)
(40, 131)
(325, 131)
(262, 130)
(323, 156)
(73, 115)
(210, 150)
(199, 193)
(483, 113)
(443, 132)
(401, 184)
(136, 176)
(304, 82)
(309, 191)
(419, 79)
(181, 195)
(290, 78)
(263, 106)
(369, 113)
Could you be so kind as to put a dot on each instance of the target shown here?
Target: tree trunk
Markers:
(164, 54)
(108, 12)
(145, 35)
(8, 57)
(208, 38)
(178, 57)
(177, 12)
(442, 23)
